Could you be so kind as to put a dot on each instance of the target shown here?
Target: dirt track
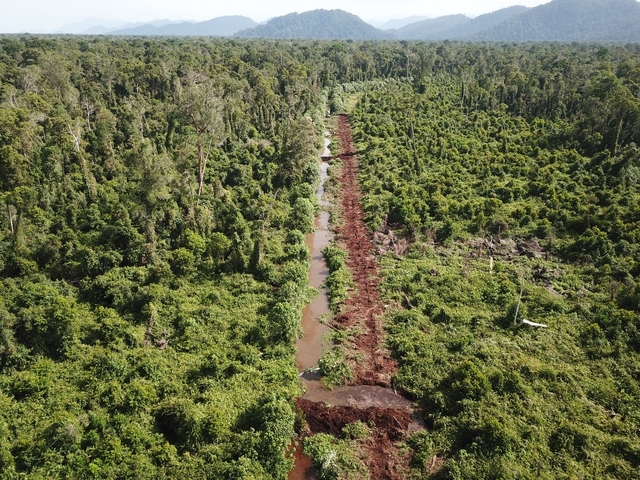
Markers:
(364, 310)
(374, 365)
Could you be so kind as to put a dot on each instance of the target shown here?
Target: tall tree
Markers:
(200, 106)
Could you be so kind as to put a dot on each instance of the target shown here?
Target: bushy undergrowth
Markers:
(335, 371)
(495, 204)
(339, 283)
(336, 458)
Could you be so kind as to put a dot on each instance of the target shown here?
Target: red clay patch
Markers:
(389, 425)
(321, 418)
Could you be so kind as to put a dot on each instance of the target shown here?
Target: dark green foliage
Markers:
(152, 269)
(512, 193)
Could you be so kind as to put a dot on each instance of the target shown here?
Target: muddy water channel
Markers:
(310, 346)
(314, 324)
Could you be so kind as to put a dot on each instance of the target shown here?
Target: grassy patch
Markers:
(334, 368)
(337, 458)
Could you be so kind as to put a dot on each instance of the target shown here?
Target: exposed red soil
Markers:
(384, 462)
(374, 365)
(321, 418)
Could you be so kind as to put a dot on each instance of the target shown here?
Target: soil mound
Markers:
(321, 418)
(365, 309)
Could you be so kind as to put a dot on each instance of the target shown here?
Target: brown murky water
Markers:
(303, 469)
(310, 346)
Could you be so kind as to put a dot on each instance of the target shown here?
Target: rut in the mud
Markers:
(365, 309)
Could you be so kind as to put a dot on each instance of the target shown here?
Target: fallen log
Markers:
(533, 324)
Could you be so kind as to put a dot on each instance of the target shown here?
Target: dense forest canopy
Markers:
(154, 196)
(501, 203)
(154, 199)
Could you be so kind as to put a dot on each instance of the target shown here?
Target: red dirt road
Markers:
(374, 365)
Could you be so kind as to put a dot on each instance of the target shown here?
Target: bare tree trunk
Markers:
(88, 177)
(10, 217)
(515, 317)
(76, 140)
(202, 166)
(89, 108)
(616, 141)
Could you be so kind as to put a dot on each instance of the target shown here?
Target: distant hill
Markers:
(105, 28)
(317, 24)
(456, 26)
(401, 22)
(88, 23)
(570, 20)
(488, 20)
(97, 30)
(431, 29)
(216, 27)
(558, 20)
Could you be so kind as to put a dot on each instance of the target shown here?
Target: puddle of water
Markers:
(303, 469)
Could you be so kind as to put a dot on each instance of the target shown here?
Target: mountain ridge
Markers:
(224, 26)
(317, 24)
(558, 20)
(397, 23)
(570, 20)
(432, 28)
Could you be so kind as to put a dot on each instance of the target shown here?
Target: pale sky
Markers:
(49, 15)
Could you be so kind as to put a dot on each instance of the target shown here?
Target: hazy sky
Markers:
(47, 15)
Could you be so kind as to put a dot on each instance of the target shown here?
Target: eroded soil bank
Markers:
(369, 398)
